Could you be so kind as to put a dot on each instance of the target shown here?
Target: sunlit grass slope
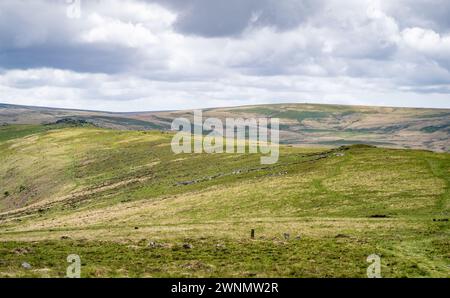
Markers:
(130, 207)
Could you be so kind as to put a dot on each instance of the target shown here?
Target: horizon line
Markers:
(223, 107)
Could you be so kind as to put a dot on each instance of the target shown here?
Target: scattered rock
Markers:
(298, 237)
(153, 244)
(341, 236)
(26, 265)
(186, 182)
(72, 121)
(22, 250)
(220, 246)
(286, 236)
(277, 174)
(65, 237)
(379, 216)
(187, 246)
(339, 154)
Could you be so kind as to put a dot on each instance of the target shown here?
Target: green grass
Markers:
(9, 132)
(208, 257)
(112, 192)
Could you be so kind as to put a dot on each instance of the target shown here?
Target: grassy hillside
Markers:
(130, 207)
(311, 124)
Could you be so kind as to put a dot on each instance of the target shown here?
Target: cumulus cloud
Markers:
(155, 54)
(427, 41)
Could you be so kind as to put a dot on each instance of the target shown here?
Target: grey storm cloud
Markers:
(156, 54)
(433, 14)
(99, 58)
(232, 17)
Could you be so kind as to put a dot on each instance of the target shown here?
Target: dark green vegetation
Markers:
(130, 207)
(9, 132)
(432, 129)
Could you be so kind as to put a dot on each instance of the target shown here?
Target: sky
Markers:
(144, 55)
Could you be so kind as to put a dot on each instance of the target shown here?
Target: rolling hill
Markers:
(130, 207)
(304, 124)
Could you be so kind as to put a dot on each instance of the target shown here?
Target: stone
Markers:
(153, 244)
(187, 246)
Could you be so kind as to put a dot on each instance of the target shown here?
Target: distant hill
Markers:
(303, 124)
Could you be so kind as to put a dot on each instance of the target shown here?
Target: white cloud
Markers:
(127, 23)
(427, 41)
(109, 30)
(132, 55)
(49, 87)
